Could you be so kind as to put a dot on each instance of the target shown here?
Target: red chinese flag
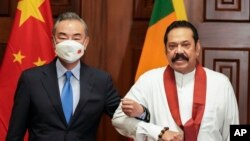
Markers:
(29, 45)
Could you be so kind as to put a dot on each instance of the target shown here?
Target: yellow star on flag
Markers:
(39, 62)
(18, 57)
(30, 8)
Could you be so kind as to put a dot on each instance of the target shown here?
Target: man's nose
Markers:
(179, 49)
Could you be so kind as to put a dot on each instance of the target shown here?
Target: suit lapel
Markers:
(50, 83)
(86, 84)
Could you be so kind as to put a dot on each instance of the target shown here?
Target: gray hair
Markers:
(69, 16)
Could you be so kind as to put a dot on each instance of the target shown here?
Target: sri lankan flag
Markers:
(153, 53)
(29, 45)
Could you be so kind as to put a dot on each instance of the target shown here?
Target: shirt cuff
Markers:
(145, 116)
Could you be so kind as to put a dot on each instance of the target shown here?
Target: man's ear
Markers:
(86, 42)
(53, 41)
(198, 48)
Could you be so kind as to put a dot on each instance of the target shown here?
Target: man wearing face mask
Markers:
(185, 100)
(65, 99)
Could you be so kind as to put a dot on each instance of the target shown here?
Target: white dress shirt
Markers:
(221, 108)
(185, 91)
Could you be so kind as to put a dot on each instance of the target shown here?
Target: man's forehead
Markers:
(69, 29)
(69, 34)
(179, 42)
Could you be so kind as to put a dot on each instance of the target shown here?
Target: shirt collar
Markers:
(183, 79)
(61, 70)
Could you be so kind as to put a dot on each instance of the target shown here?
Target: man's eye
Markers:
(186, 45)
(172, 46)
(62, 38)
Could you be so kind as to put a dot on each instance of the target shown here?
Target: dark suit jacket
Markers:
(38, 108)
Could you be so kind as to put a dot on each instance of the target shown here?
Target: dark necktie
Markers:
(67, 97)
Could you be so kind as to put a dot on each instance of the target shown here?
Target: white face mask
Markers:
(70, 50)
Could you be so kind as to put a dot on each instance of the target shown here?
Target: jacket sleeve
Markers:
(133, 127)
(19, 118)
(112, 98)
(231, 111)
